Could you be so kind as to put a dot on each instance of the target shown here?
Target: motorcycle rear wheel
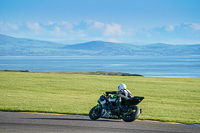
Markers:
(133, 116)
(95, 113)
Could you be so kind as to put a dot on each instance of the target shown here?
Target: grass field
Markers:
(166, 99)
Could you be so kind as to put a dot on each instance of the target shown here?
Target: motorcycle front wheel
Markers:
(95, 112)
(131, 116)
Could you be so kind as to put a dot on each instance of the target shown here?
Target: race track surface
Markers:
(15, 122)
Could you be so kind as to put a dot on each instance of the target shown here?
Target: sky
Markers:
(122, 21)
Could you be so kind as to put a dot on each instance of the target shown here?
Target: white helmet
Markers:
(121, 87)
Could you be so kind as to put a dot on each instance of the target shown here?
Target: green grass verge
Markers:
(166, 99)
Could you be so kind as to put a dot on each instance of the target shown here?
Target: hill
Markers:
(157, 49)
(103, 48)
(10, 46)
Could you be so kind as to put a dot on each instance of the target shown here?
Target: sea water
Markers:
(153, 66)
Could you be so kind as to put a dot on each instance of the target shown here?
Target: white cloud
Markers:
(8, 26)
(34, 27)
(57, 29)
(95, 24)
(195, 26)
(49, 23)
(66, 25)
(88, 22)
(113, 30)
(98, 25)
(58, 32)
(169, 28)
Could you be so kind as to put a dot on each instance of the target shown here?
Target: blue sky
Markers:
(124, 21)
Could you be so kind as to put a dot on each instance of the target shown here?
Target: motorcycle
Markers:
(108, 107)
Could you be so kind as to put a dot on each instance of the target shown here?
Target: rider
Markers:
(123, 95)
(122, 90)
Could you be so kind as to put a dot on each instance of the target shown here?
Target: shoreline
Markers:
(95, 73)
(86, 73)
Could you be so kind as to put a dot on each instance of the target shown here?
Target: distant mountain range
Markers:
(10, 46)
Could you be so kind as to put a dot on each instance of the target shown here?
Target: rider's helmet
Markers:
(121, 87)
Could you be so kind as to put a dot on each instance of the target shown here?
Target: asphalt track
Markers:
(15, 122)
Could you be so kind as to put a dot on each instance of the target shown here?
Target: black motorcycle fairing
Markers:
(135, 100)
